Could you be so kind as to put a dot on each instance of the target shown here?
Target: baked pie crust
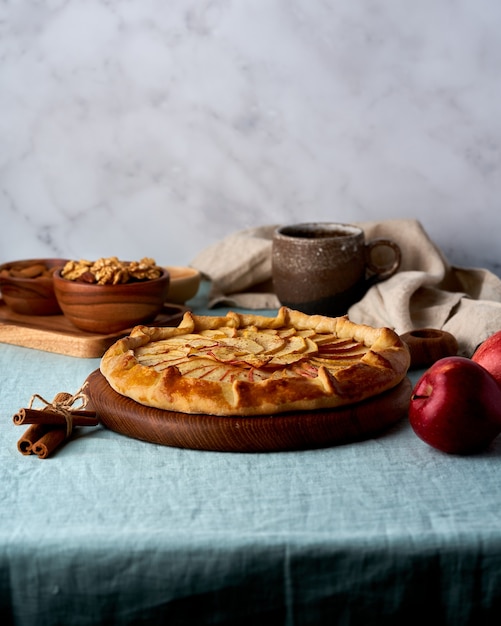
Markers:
(246, 364)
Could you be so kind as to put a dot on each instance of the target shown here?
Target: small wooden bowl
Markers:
(108, 309)
(30, 296)
(427, 345)
(184, 284)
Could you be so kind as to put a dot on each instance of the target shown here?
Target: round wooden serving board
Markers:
(288, 431)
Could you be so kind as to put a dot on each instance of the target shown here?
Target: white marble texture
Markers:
(157, 127)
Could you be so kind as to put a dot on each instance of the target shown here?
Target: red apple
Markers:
(488, 354)
(456, 406)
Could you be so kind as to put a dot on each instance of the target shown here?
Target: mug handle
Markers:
(383, 271)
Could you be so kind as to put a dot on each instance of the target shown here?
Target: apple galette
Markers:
(245, 364)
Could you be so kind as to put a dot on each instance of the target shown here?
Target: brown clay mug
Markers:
(325, 267)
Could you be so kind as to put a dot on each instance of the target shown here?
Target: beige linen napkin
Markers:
(426, 292)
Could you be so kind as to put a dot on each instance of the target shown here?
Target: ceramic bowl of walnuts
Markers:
(109, 295)
(27, 286)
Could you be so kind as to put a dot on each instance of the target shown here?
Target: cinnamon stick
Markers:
(30, 437)
(49, 442)
(46, 416)
(52, 425)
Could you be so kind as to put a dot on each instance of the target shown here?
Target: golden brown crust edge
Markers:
(381, 368)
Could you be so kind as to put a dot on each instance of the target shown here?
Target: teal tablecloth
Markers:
(111, 530)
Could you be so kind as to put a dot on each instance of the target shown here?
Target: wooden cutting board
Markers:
(55, 333)
(291, 431)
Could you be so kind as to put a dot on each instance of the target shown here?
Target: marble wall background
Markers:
(156, 128)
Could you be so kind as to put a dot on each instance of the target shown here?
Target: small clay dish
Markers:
(184, 284)
(27, 286)
(106, 309)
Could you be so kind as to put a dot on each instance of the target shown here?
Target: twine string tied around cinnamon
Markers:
(63, 404)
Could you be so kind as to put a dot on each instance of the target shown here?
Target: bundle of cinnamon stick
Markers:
(52, 425)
